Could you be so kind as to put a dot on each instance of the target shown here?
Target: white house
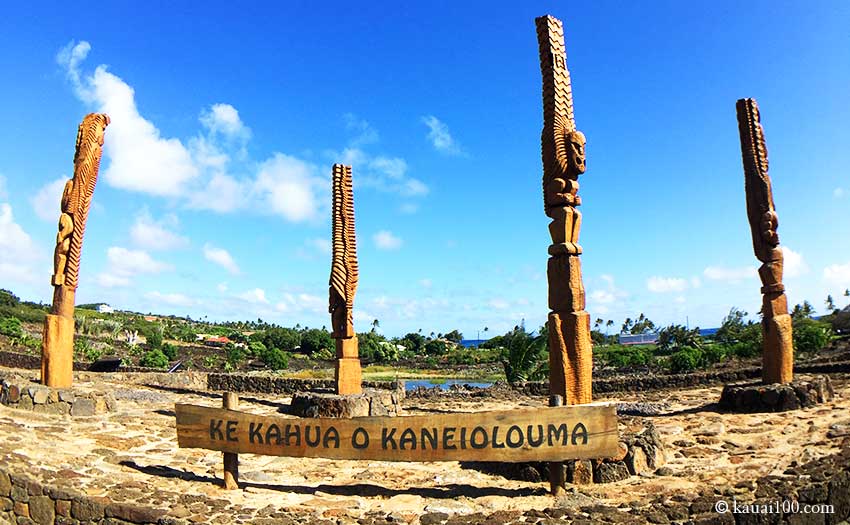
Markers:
(105, 309)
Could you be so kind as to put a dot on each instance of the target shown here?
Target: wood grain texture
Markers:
(563, 152)
(778, 351)
(344, 268)
(544, 434)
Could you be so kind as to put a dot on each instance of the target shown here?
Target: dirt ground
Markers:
(131, 455)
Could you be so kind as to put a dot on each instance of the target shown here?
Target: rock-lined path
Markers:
(130, 456)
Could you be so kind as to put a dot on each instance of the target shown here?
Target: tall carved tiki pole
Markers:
(570, 351)
(778, 351)
(343, 283)
(57, 351)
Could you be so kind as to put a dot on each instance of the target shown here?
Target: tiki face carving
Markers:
(575, 152)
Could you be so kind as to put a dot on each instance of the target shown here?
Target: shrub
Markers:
(462, 356)
(280, 338)
(154, 359)
(715, 353)
(170, 351)
(622, 356)
(315, 340)
(749, 342)
(7, 298)
(256, 348)
(324, 354)
(275, 359)
(373, 347)
(687, 359)
(436, 347)
(154, 337)
(235, 355)
(413, 342)
(11, 326)
(811, 335)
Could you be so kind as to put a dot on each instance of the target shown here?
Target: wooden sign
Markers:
(542, 434)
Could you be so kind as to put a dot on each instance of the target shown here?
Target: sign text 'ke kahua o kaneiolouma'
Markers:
(57, 351)
(544, 434)
(778, 351)
(570, 349)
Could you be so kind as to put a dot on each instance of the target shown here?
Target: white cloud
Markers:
(123, 265)
(387, 174)
(222, 193)
(440, 136)
(695, 282)
(302, 302)
(657, 284)
(838, 275)
(149, 234)
(499, 304)
(140, 158)
(680, 300)
(47, 200)
(838, 193)
(730, 275)
(171, 299)
(221, 257)
(257, 295)
(426, 283)
(290, 187)
(18, 252)
(364, 132)
(605, 296)
(222, 287)
(794, 264)
(224, 119)
(385, 240)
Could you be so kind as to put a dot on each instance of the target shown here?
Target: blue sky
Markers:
(213, 196)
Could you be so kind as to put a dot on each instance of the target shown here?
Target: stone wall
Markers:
(649, 381)
(21, 393)
(24, 500)
(284, 385)
(28, 361)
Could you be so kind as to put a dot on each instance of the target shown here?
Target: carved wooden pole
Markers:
(778, 350)
(343, 283)
(57, 351)
(230, 401)
(570, 350)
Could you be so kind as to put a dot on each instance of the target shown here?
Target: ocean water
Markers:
(444, 384)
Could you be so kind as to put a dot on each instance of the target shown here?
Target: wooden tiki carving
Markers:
(343, 283)
(778, 351)
(563, 149)
(58, 342)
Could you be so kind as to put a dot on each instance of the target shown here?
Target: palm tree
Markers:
(608, 325)
(526, 358)
(375, 325)
(830, 304)
(598, 323)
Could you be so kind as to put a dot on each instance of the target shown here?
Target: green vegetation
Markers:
(622, 356)
(154, 359)
(811, 336)
(526, 357)
(315, 340)
(518, 353)
(11, 327)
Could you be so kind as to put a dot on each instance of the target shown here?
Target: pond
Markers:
(444, 384)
